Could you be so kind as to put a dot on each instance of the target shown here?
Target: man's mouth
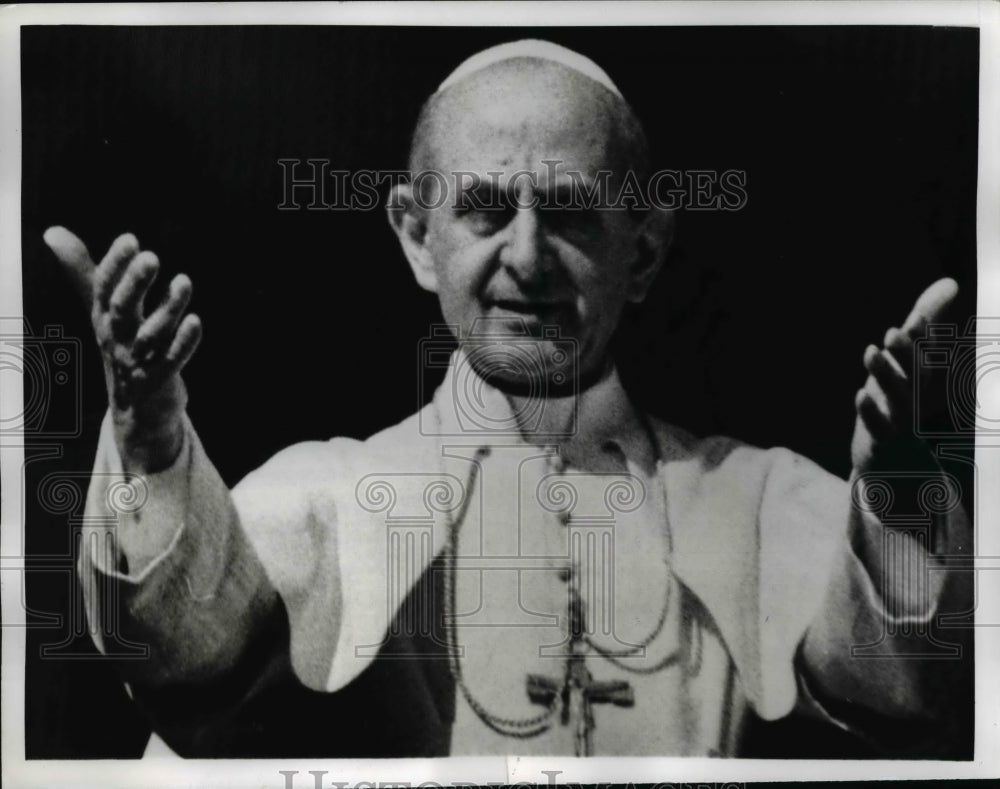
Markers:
(528, 308)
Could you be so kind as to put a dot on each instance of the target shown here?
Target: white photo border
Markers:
(173, 772)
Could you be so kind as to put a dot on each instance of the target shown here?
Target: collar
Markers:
(472, 411)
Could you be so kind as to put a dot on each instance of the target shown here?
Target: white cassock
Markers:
(715, 577)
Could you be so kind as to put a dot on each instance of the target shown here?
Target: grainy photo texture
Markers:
(469, 391)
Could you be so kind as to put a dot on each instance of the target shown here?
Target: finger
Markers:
(156, 332)
(872, 416)
(125, 303)
(894, 385)
(185, 343)
(930, 307)
(872, 387)
(900, 345)
(124, 248)
(76, 260)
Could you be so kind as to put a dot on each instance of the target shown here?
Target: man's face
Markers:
(510, 250)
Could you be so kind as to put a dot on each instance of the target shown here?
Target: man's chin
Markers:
(532, 366)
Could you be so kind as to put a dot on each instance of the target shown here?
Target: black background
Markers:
(859, 144)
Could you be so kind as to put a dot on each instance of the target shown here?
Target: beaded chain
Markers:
(522, 728)
(533, 726)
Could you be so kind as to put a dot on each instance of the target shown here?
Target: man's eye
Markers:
(484, 220)
(575, 222)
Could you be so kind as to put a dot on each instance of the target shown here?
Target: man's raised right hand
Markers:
(143, 353)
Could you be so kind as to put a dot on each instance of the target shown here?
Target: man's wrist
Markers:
(148, 450)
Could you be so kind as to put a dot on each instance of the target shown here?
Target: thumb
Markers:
(75, 259)
(931, 306)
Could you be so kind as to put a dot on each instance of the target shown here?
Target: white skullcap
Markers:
(530, 48)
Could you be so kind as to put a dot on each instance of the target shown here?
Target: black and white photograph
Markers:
(607, 383)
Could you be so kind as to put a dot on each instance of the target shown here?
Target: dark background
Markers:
(860, 148)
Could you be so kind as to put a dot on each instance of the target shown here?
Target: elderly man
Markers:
(529, 564)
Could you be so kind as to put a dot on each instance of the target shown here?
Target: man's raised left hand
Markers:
(885, 404)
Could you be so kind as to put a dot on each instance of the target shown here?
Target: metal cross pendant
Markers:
(578, 691)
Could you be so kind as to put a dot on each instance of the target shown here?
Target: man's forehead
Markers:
(518, 114)
(534, 148)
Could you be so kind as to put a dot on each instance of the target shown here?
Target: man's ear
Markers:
(653, 238)
(409, 222)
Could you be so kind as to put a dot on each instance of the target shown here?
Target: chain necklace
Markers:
(535, 725)
(522, 728)
(614, 656)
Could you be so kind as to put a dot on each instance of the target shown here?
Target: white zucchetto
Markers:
(530, 48)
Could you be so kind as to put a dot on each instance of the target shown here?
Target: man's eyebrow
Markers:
(572, 178)
(571, 189)
(480, 186)
(577, 191)
(482, 193)
(566, 187)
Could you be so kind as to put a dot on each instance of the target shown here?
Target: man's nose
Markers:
(525, 253)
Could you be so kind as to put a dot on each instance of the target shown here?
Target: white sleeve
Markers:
(880, 647)
(190, 589)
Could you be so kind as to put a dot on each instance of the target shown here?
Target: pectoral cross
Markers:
(578, 691)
